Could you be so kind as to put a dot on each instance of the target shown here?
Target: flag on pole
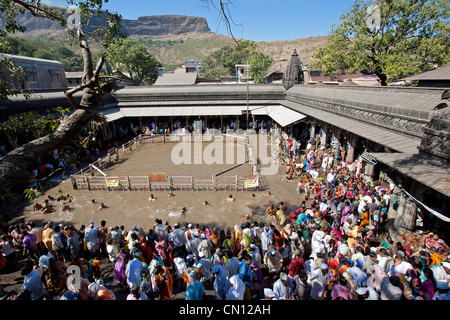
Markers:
(251, 182)
(112, 181)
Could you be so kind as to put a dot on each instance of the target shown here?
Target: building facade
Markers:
(39, 73)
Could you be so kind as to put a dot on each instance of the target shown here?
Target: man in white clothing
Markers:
(133, 272)
(330, 178)
(205, 266)
(367, 294)
(91, 237)
(178, 237)
(283, 287)
(266, 239)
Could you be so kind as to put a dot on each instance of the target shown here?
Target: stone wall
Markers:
(405, 110)
(436, 136)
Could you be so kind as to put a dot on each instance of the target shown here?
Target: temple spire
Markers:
(294, 72)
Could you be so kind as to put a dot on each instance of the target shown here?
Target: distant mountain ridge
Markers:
(172, 39)
(144, 26)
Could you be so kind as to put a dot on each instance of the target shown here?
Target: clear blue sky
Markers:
(258, 20)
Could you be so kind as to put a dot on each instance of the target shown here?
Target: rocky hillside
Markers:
(143, 26)
(165, 25)
(172, 39)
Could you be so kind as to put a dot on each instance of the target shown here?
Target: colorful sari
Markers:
(120, 269)
(195, 289)
(164, 282)
(161, 247)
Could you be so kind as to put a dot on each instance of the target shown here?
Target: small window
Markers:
(31, 76)
(54, 77)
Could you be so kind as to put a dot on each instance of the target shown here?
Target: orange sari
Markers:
(165, 284)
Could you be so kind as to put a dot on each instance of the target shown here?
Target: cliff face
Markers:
(164, 25)
(143, 26)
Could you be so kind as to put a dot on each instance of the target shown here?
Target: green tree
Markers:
(389, 38)
(53, 50)
(15, 165)
(259, 64)
(133, 59)
(223, 62)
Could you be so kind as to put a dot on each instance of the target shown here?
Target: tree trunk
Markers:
(382, 76)
(15, 166)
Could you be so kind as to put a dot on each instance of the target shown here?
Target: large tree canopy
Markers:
(133, 59)
(15, 165)
(389, 38)
(223, 62)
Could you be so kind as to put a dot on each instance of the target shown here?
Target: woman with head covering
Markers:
(316, 280)
(375, 279)
(359, 277)
(164, 282)
(236, 289)
(439, 272)
(104, 293)
(221, 284)
(195, 289)
(120, 270)
(428, 287)
(216, 239)
(317, 243)
(340, 290)
(257, 279)
(161, 247)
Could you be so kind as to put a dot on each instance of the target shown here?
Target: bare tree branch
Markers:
(40, 12)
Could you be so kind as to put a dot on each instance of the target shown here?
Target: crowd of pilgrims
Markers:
(334, 246)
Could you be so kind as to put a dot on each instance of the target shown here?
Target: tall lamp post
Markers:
(248, 70)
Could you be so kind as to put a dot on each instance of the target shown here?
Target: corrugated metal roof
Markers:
(437, 74)
(170, 79)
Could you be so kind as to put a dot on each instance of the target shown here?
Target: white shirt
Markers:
(178, 237)
(401, 268)
(133, 272)
(314, 174)
(7, 248)
(387, 198)
(383, 262)
(112, 252)
(330, 177)
(281, 291)
(266, 239)
(373, 295)
(91, 235)
(56, 241)
(180, 266)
